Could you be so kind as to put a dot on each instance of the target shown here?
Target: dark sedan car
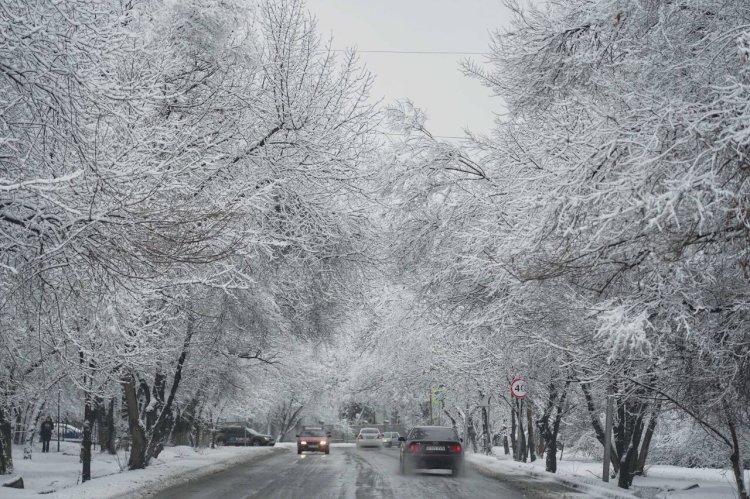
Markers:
(242, 435)
(431, 447)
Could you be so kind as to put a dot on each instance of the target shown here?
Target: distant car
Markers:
(259, 439)
(369, 437)
(242, 435)
(431, 447)
(390, 438)
(313, 438)
(70, 432)
(67, 432)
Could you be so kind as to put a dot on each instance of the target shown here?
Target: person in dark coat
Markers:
(47, 427)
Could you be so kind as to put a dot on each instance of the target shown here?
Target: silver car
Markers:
(390, 438)
(369, 437)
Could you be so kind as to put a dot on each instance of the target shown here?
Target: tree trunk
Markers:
(530, 426)
(472, 433)
(33, 422)
(521, 434)
(487, 440)
(6, 441)
(628, 439)
(89, 416)
(19, 433)
(86, 452)
(734, 458)
(597, 425)
(183, 424)
(111, 430)
(163, 423)
(643, 454)
(137, 431)
(549, 432)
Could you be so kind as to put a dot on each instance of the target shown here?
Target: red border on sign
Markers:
(512, 393)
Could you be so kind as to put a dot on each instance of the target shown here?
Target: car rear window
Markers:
(369, 430)
(433, 434)
(313, 433)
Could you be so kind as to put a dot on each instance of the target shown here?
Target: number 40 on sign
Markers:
(518, 387)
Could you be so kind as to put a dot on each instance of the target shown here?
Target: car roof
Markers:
(369, 429)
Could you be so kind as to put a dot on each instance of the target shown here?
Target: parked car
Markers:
(242, 435)
(67, 432)
(390, 438)
(431, 447)
(260, 439)
(369, 437)
(313, 438)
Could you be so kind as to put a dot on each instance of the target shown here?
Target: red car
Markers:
(313, 438)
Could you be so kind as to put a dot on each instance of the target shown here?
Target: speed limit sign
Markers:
(518, 387)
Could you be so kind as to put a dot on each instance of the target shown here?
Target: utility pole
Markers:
(607, 439)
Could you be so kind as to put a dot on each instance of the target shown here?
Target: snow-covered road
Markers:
(345, 473)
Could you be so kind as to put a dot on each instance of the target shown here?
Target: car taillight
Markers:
(413, 447)
(380, 436)
(455, 448)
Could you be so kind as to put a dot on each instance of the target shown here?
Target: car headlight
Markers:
(323, 442)
(303, 443)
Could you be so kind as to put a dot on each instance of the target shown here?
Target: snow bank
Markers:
(500, 467)
(662, 481)
(58, 474)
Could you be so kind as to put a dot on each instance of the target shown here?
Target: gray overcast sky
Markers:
(434, 82)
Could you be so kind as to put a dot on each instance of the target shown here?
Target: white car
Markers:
(369, 437)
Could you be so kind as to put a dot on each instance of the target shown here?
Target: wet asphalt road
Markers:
(343, 474)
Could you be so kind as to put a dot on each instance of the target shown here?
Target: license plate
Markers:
(434, 448)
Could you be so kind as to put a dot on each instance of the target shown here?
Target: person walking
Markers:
(47, 427)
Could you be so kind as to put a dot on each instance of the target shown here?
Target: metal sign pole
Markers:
(607, 439)
(431, 420)
(58, 418)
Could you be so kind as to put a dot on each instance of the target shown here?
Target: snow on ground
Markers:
(58, 474)
(662, 482)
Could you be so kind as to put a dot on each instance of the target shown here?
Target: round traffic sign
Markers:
(518, 387)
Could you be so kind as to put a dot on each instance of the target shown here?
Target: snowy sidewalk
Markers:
(57, 475)
(668, 482)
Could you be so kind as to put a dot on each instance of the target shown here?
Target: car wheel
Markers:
(403, 468)
(458, 470)
(299, 451)
(328, 451)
